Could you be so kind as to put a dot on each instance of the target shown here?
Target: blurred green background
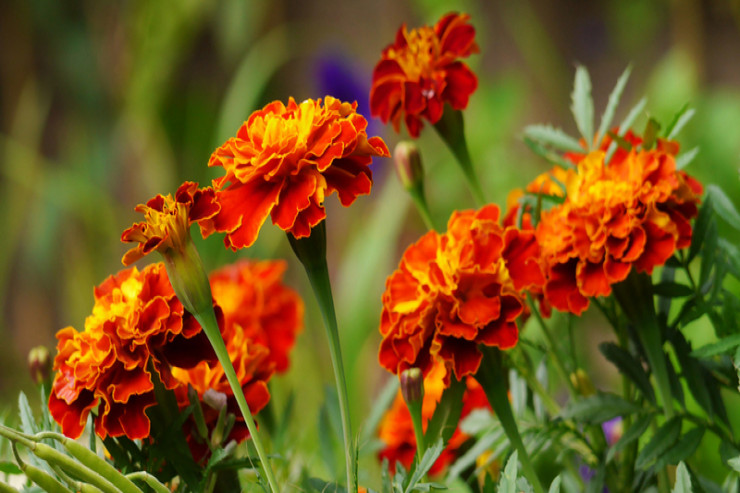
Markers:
(105, 104)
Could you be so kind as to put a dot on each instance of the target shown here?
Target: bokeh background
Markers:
(105, 104)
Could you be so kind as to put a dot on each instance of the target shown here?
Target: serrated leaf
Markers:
(625, 125)
(426, 463)
(28, 422)
(664, 438)
(507, 483)
(583, 105)
(552, 136)
(544, 152)
(683, 480)
(679, 121)
(672, 290)
(630, 367)
(599, 408)
(523, 486)
(683, 449)
(631, 434)
(686, 158)
(613, 102)
(734, 463)
(723, 206)
(720, 347)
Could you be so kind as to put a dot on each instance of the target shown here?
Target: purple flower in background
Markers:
(613, 430)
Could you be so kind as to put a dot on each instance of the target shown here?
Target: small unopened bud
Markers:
(412, 385)
(215, 399)
(39, 364)
(582, 383)
(408, 164)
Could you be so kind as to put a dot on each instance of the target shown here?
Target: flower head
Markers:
(454, 291)
(167, 221)
(137, 327)
(421, 71)
(396, 428)
(284, 161)
(631, 212)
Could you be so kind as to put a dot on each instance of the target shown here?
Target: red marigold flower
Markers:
(421, 71)
(168, 220)
(284, 161)
(137, 325)
(396, 429)
(632, 212)
(454, 291)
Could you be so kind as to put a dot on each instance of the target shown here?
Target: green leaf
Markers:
(734, 463)
(554, 137)
(683, 449)
(679, 121)
(596, 483)
(507, 483)
(630, 367)
(625, 125)
(708, 254)
(693, 372)
(28, 422)
(685, 158)
(632, 433)
(426, 463)
(683, 480)
(599, 408)
(583, 105)
(720, 347)
(706, 213)
(611, 106)
(663, 440)
(523, 486)
(319, 485)
(544, 152)
(723, 206)
(7, 467)
(447, 414)
(650, 135)
(555, 485)
(672, 290)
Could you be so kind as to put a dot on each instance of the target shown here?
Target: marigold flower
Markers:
(454, 291)
(284, 161)
(137, 326)
(167, 221)
(632, 212)
(261, 318)
(421, 71)
(396, 429)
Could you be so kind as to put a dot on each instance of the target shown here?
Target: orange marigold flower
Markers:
(284, 161)
(632, 212)
(167, 221)
(253, 297)
(137, 325)
(396, 429)
(421, 71)
(454, 291)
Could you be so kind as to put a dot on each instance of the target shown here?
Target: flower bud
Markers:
(408, 164)
(217, 400)
(39, 364)
(412, 385)
(582, 383)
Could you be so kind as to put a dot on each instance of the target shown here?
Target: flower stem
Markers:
(452, 130)
(493, 378)
(207, 320)
(311, 252)
(417, 195)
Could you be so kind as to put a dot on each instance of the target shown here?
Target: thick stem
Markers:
(452, 130)
(311, 252)
(207, 320)
(492, 377)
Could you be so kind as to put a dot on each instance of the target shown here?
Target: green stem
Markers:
(452, 130)
(492, 377)
(415, 411)
(207, 320)
(419, 198)
(311, 252)
(559, 366)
